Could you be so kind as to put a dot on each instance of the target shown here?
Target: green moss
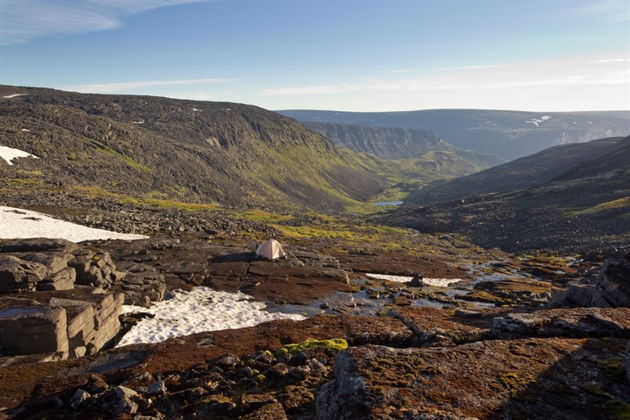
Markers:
(613, 366)
(517, 380)
(618, 409)
(93, 191)
(331, 344)
(108, 151)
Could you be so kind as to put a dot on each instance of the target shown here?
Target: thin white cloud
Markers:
(130, 86)
(524, 75)
(23, 20)
(612, 60)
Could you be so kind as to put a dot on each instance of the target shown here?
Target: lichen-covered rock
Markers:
(526, 378)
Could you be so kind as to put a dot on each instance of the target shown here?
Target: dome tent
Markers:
(270, 249)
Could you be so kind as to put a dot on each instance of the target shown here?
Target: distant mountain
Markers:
(226, 153)
(506, 134)
(581, 203)
(535, 170)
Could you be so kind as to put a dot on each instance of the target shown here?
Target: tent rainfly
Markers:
(270, 249)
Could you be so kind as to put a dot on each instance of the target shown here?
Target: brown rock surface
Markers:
(528, 378)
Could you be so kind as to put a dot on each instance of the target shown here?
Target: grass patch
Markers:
(620, 203)
(262, 216)
(108, 151)
(92, 191)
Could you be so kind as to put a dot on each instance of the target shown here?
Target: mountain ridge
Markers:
(507, 134)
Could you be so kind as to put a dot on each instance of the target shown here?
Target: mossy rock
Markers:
(310, 343)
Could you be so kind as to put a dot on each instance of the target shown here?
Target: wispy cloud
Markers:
(612, 60)
(453, 68)
(23, 20)
(524, 75)
(129, 86)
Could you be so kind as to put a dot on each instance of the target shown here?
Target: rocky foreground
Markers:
(550, 340)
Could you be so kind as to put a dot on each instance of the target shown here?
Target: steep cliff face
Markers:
(385, 142)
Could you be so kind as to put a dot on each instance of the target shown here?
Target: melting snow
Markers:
(196, 110)
(438, 282)
(14, 95)
(538, 121)
(19, 223)
(8, 154)
(201, 309)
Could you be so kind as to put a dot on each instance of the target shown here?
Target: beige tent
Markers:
(270, 249)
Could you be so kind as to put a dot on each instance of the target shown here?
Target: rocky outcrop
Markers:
(577, 322)
(33, 330)
(142, 284)
(55, 300)
(36, 264)
(611, 288)
(59, 323)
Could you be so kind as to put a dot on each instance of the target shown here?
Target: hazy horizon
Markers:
(354, 56)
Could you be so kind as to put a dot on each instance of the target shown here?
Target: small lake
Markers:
(388, 203)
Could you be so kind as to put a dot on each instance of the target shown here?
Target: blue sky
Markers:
(367, 55)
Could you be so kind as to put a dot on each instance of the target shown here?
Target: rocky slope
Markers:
(536, 170)
(506, 134)
(584, 204)
(152, 147)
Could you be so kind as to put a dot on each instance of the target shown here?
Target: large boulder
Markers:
(611, 288)
(19, 275)
(33, 330)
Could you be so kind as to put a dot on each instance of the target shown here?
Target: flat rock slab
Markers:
(432, 326)
(37, 245)
(527, 378)
(299, 279)
(184, 352)
(572, 322)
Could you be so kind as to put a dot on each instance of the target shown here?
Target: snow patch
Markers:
(196, 110)
(538, 121)
(19, 223)
(9, 153)
(202, 309)
(14, 95)
(138, 122)
(437, 282)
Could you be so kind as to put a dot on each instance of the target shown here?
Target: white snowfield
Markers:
(202, 309)
(404, 279)
(14, 95)
(9, 153)
(19, 223)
